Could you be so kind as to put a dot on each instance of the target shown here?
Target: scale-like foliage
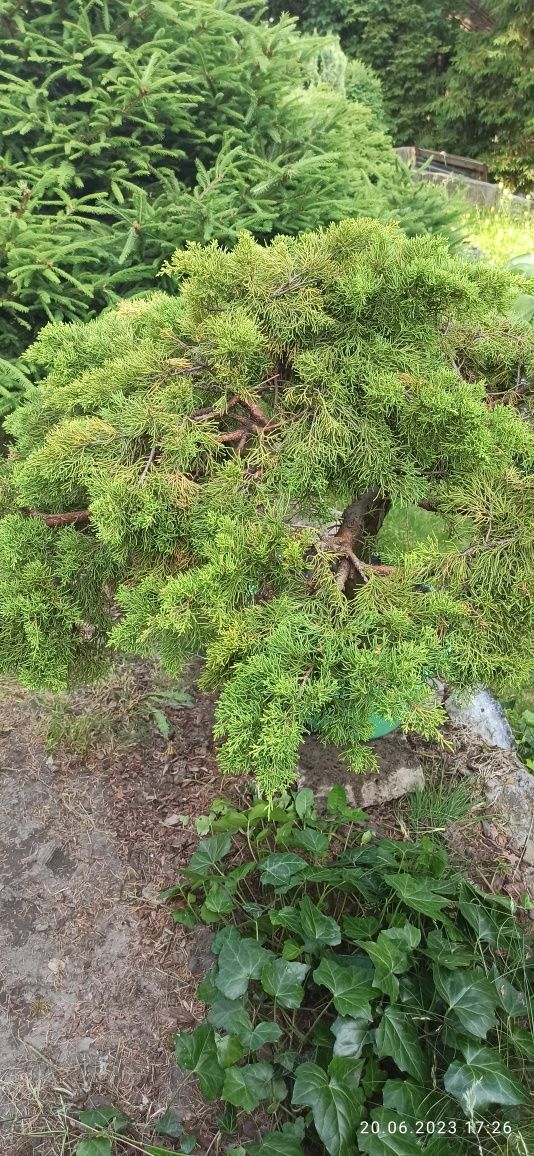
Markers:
(182, 450)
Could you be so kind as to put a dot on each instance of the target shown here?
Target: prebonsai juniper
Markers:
(182, 449)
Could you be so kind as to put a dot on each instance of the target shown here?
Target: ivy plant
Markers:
(363, 995)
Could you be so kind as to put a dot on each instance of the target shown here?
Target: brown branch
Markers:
(255, 411)
(72, 518)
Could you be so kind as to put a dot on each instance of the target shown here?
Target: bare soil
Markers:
(94, 980)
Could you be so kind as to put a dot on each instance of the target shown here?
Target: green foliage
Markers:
(488, 112)
(456, 77)
(391, 1036)
(408, 45)
(127, 129)
(183, 453)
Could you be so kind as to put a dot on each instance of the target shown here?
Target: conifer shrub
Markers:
(208, 474)
(128, 128)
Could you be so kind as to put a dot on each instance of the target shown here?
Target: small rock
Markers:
(512, 794)
(56, 966)
(484, 717)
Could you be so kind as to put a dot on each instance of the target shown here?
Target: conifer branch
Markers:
(71, 518)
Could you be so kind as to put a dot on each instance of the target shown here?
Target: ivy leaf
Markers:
(240, 960)
(406, 935)
(196, 1051)
(246, 1087)
(229, 1050)
(471, 996)
(351, 987)
(358, 927)
(406, 1098)
(335, 1106)
(318, 930)
(305, 803)
(286, 917)
(522, 1040)
(388, 1140)
(206, 990)
(104, 1117)
(512, 999)
(267, 1032)
(209, 852)
(169, 1124)
(397, 1036)
(447, 952)
(276, 1144)
(217, 902)
(390, 959)
(311, 840)
(482, 1079)
(419, 894)
(283, 981)
(96, 1146)
(351, 1035)
(230, 1015)
(282, 870)
(336, 801)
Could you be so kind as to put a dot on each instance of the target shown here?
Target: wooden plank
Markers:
(453, 161)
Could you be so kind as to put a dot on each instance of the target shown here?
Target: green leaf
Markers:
(209, 852)
(169, 1124)
(512, 1000)
(351, 987)
(240, 960)
(185, 917)
(336, 801)
(229, 1050)
(305, 803)
(310, 840)
(419, 894)
(196, 1051)
(406, 935)
(206, 990)
(286, 917)
(162, 723)
(246, 1087)
(390, 1139)
(266, 1032)
(397, 1036)
(318, 930)
(335, 1105)
(358, 927)
(231, 1016)
(96, 1146)
(351, 1035)
(406, 1098)
(283, 981)
(471, 996)
(104, 1118)
(282, 870)
(390, 959)
(373, 1078)
(522, 1040)
(276, 1144)
(446, 952)
(482, 1079)
(217, 902)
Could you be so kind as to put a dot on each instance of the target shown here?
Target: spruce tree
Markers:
(489, 107)
(128, 128)
(409, 45)
(211, 473)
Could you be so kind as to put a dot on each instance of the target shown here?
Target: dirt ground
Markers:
(94, 978)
